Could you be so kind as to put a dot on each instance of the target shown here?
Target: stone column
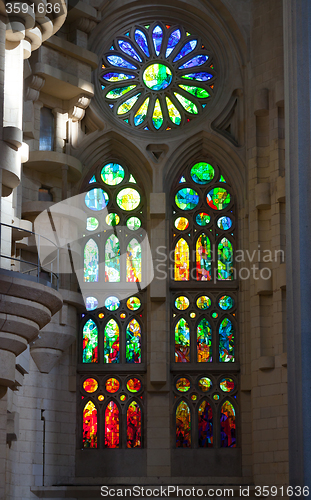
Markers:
(297, 50)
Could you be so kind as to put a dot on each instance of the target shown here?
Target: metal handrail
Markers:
(35, 266)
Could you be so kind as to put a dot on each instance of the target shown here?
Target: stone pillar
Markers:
(297, 58)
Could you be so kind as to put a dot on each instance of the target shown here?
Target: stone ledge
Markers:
(73, 50)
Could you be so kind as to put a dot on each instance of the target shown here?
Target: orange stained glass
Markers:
(89, 425)
(133, 261)
(134, 425)
(112, 385)
(90, 385)
(112, 426)
(203, 258)
(133, 385)
(181, 261)
(183, 426)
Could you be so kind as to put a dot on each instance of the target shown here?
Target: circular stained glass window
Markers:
(181, 223)
(194, 397)
(192, 315)
(202, 219)
(216, 397)
(133, 385)
(205, 384)
(123, 397)
(203, 302)
(218, 198)
(112, 174)
(133, 303)
(91, 223)
(226, 302)
(112, 303)
(133, 223)
(112, 219)
(227, 384)
(183, 384)
(182, 303)
(90, 385)
(157, 77)
(186, 199)
(91, 303)
(224, 223)
(96, 199)
(101, 397)
(202, 173)
(112, 385)
(214, 314)
(128, 199)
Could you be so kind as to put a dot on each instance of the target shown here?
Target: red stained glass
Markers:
(203, 258)
(183, 426)
(134, 426)
(205, 425)
(133, 385)
(90, 385)
(112, 426)
(227, 422)
(112, 385)
(89, 426)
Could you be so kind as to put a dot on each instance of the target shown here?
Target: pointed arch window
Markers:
(133, 425)
(181, 260)
(112, 426)
(91, 261)
(183, 425)
(90, 425)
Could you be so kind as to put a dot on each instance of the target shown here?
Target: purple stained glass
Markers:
(172, 42)
(119, 61)
(141, 40)
(127, 48)
(157, 36)
(117, 77)
(201, 76)
(194, 61)
(189, 47)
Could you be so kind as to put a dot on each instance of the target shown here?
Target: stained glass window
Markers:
(204, 342)
(203, 258)
(91, 264)
(182, 341)
(133, 342)
(227, 422)
(134, 425)
(183, 425)
(89, 425)
(152, 94)
(181, 261)
(225, 260)
(226, 341)
(133, 261)
(111, 342)
(112, 426)
(205, 425)
(90, 342)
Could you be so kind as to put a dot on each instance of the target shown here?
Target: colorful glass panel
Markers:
(112, 303)
(157, 117)
(112, 342)
(203, 302)
(90, 385)
(187, 48)
(133, 385)
(183, 426)
(226, 302)
(157, 36)
(172, 42)
(96, 199)
(128, 104)
(120, 62)
(196, 91)
(112, 219)
(128, 199)
(186, 199)
(133, 303)
(157, 76)
(203, 258)
(133, 418)
(224, 223)
(225, 260)
(133, 261)
(142, 42)
(195, 61)
(89, 425)
(91, 259)
(173, 112)
(227, 423)
(183, 384)
(91, 303)
(133, 223)
(226, 341)
(119, 92)
(117, 77)
(218, 198)
(205, 425)
(205, 384)
(227, 385)
(141, 114)
(187, 104)
(181, 261)
(112, 426)
(112, 385)
(202, 219)
(133, 342)
(182, 303)
(182, 342)
(181, 223)
(127, 48)
(90, 342)
(202, 173)
(200, 76)
(112, 260)
(112, 174)
(91, 224)
(204, 342)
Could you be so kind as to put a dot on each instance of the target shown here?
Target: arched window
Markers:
(133, 425)
(89, 425)
(204, 305)
(112, 425)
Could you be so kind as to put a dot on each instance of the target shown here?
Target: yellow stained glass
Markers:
(173, 112)
(181, 258)
(157, 117)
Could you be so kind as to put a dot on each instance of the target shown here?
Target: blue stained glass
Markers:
(92, 180)
(172, 42)
(194, 61)
(111, 106)
(119, 61)
(200, 76)
(117, 77)
(157, 36)
(96, 199)
(224, 223)
(127, 48)
(189, 47)
(141, 40)
(186, 199)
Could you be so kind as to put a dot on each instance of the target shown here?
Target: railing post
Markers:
(38, 270)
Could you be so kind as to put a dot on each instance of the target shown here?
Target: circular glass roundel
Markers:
(194, 397)
(205, 384)
(202, 173)
(96, 199)
(218, 198)
(182, 303)
(128, 199)
(186, 199)
(112, 303)
(202, 219)
(226, 302)
(157, 76)
(224, 223)
(216, 397)
(112, 174)
(91, 223)
(183, 384)
(122, 315)
(181, 223)
(192, 315)
(101, 315)
(133, 303)
(112, 219)
(214, 314)
(112, 385)
(91, 303)
(203, 302)
(227, 384)
(133, 385)
(90, 385)
(133, 223)
(101, 397)
(123, 397)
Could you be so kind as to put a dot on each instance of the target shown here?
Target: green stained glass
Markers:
(128, 104)
(112, 303)
(222, 179)
(186, 104)
(227, 384)
(91, 223)
(112, 174)
(182, 303)
(116, 93)
(186, 199)
(196, 91)
(182, 341)
(133, 342)
(202, 173)
(218, 198)
(90, 342)
(225, 260)
(226, 302)
(133, 223)
(157, 76)
(173, 112)
(204, 342)
(203, 302)
(112, 219)
(202, 219)
(96, 199)
(111, 342)
(91, 259)
(141, 114)
(183, 384)
(226, 342)
(157, 117)
(205, 384)
(133, 303)
(128, 199)
(112, 260)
